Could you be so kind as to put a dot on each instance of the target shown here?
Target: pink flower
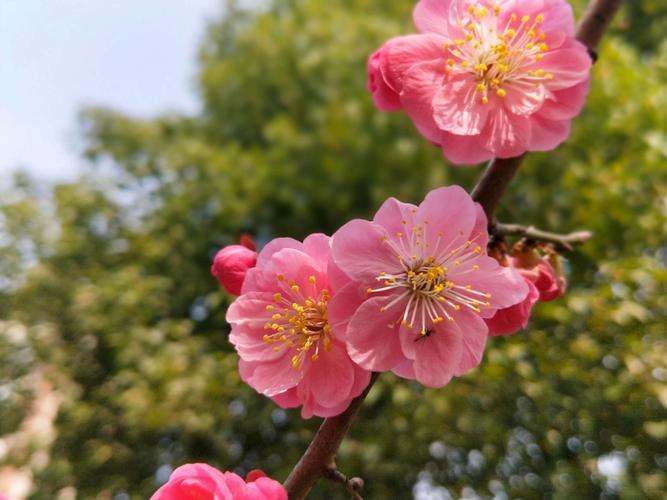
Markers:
(421, 286)
(281, 330)
(232, 263)
(203, 482)
(543, 284)
(484, 78)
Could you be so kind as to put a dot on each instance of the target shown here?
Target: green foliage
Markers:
(111, 277)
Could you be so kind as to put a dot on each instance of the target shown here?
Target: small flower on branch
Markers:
(203, 482)
(421, 287)
(484, 79)
(282, 332)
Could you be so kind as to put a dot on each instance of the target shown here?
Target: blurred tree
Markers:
(110, 276)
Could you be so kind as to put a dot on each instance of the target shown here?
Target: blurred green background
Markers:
(109, 314)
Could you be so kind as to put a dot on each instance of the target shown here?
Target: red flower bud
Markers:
(231, 265)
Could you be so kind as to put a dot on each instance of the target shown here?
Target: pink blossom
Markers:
(232, 263)
(484, 79)
(421, 286)
(203, 482)
(543, 284)
(281, 330)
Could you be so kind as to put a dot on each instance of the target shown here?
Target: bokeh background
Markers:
(114, 361)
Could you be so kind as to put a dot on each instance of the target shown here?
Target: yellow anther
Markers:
(280, 277)
(481, 87)
(532, 33)
(276, 316)
(510, 32)
(525, 19)
(481, 67)
(277, 297)
(548, 76)
(530, 46)
(475, 268)
(383, 309)
(501, 92)
(538, 57)
(471, 9)
(496, 10)
(269, 307)
(312, 279)
(539, 72)
(295, 288)
(539, 18)
(544, 47)
(471, 26)
(314, 357)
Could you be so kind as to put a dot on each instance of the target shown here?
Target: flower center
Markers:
(299, 321)
(498, 53)
(430, 286)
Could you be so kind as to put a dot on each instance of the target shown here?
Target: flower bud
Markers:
(231, 265)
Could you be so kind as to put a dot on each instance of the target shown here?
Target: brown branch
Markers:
(560, 241)
(495, 179)
(352, 485)
(314, 464)
(595, 21)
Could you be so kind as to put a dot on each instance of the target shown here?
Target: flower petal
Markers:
(458, 108)
(358, 248)
(270, 378)
(438, 355)
(548, 134)
(372, 341)
(507, 135)
(464, 149)
(404, 52)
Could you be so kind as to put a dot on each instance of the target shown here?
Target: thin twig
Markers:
(560, 241)
(496, 178)
(352, 485)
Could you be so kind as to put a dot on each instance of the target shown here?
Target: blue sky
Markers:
(136, 56)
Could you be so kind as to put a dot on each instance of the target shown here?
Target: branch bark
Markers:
(316, 461)
(560, 241)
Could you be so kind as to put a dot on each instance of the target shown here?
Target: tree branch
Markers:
(560, 241)
(352, 485)
(315, 463)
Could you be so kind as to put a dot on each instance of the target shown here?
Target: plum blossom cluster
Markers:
(203, 482)
(412, 291)
(485, 78)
